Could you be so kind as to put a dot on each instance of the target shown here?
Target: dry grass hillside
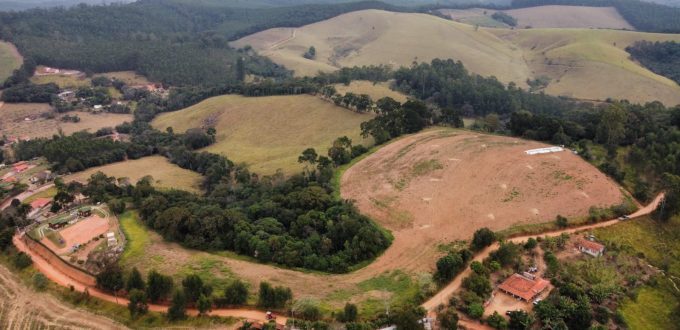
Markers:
(380, 37)
(580, 63)
(375, 91)
(165, 174)
(592, 64)
(35, 120)
(546, 17)
(268, 133)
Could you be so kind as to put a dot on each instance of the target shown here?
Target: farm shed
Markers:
(85, 212)
(592, 248)
(58, 223)
(523, 287)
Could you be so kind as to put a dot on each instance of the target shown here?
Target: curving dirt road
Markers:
(64, 280)
(443, 295)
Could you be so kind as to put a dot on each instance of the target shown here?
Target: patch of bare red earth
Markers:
(484, 181)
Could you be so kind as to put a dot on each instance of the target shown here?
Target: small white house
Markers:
(590, 247)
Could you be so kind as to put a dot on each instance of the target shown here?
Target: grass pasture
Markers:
(545, 17)
(375, 91)
(165, 175)
(580, 62)
(10, 59)
(44, 122)
(268, 133)
(380, 37)
(658, 243)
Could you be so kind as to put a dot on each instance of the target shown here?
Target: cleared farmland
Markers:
(22, 308)
(375, 91)
(165, 174)
(439, 186)
(592, 64)
(380, 37)
(36, 120)
(545, 17)
(579, 63)
(10, 59)
(268, 133)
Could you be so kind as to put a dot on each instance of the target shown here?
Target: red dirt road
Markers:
(443, 295)
(60, 278)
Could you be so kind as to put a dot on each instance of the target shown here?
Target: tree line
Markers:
(662, 58)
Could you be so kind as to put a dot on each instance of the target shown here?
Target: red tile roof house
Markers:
(523, 287)
(20, 167)
(589, 247)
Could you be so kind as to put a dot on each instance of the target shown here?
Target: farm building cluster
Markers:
(88, 236)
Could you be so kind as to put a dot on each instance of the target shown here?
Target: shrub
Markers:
(236, 293)
(482, 238)
(21, 260)
(39, 281)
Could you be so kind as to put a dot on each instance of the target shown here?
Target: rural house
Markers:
(523, 287)
(589, 247)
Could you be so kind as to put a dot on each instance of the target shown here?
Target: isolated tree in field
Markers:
(178, 306)
(482, 238)
(158, 286)
(204, 304)
(310, 54)
(561, 221)
(138, 303)
(349, 313)
(236, 293)
(111, 278)
(135, 281)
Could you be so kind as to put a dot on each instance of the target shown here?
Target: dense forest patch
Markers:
(661, 57)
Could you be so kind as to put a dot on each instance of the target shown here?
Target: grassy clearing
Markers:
(9, 60)
(269, 133)
(63, 81)
(136, 236)
(375, 90)
(129, 77)
(49, 193)
(653, 308)
(658, 243)
(165, 174)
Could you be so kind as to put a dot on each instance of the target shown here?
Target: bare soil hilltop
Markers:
(440, 186)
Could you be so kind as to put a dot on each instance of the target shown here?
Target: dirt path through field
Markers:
(443, 295)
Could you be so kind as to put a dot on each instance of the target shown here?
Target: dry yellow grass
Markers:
(14, 121)
(546, 17)
(593, 64)
(581, 63)
(165, 174)
(10, 59)
(375, 91)
(268, 133)
(129, 77)
(380, 37)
